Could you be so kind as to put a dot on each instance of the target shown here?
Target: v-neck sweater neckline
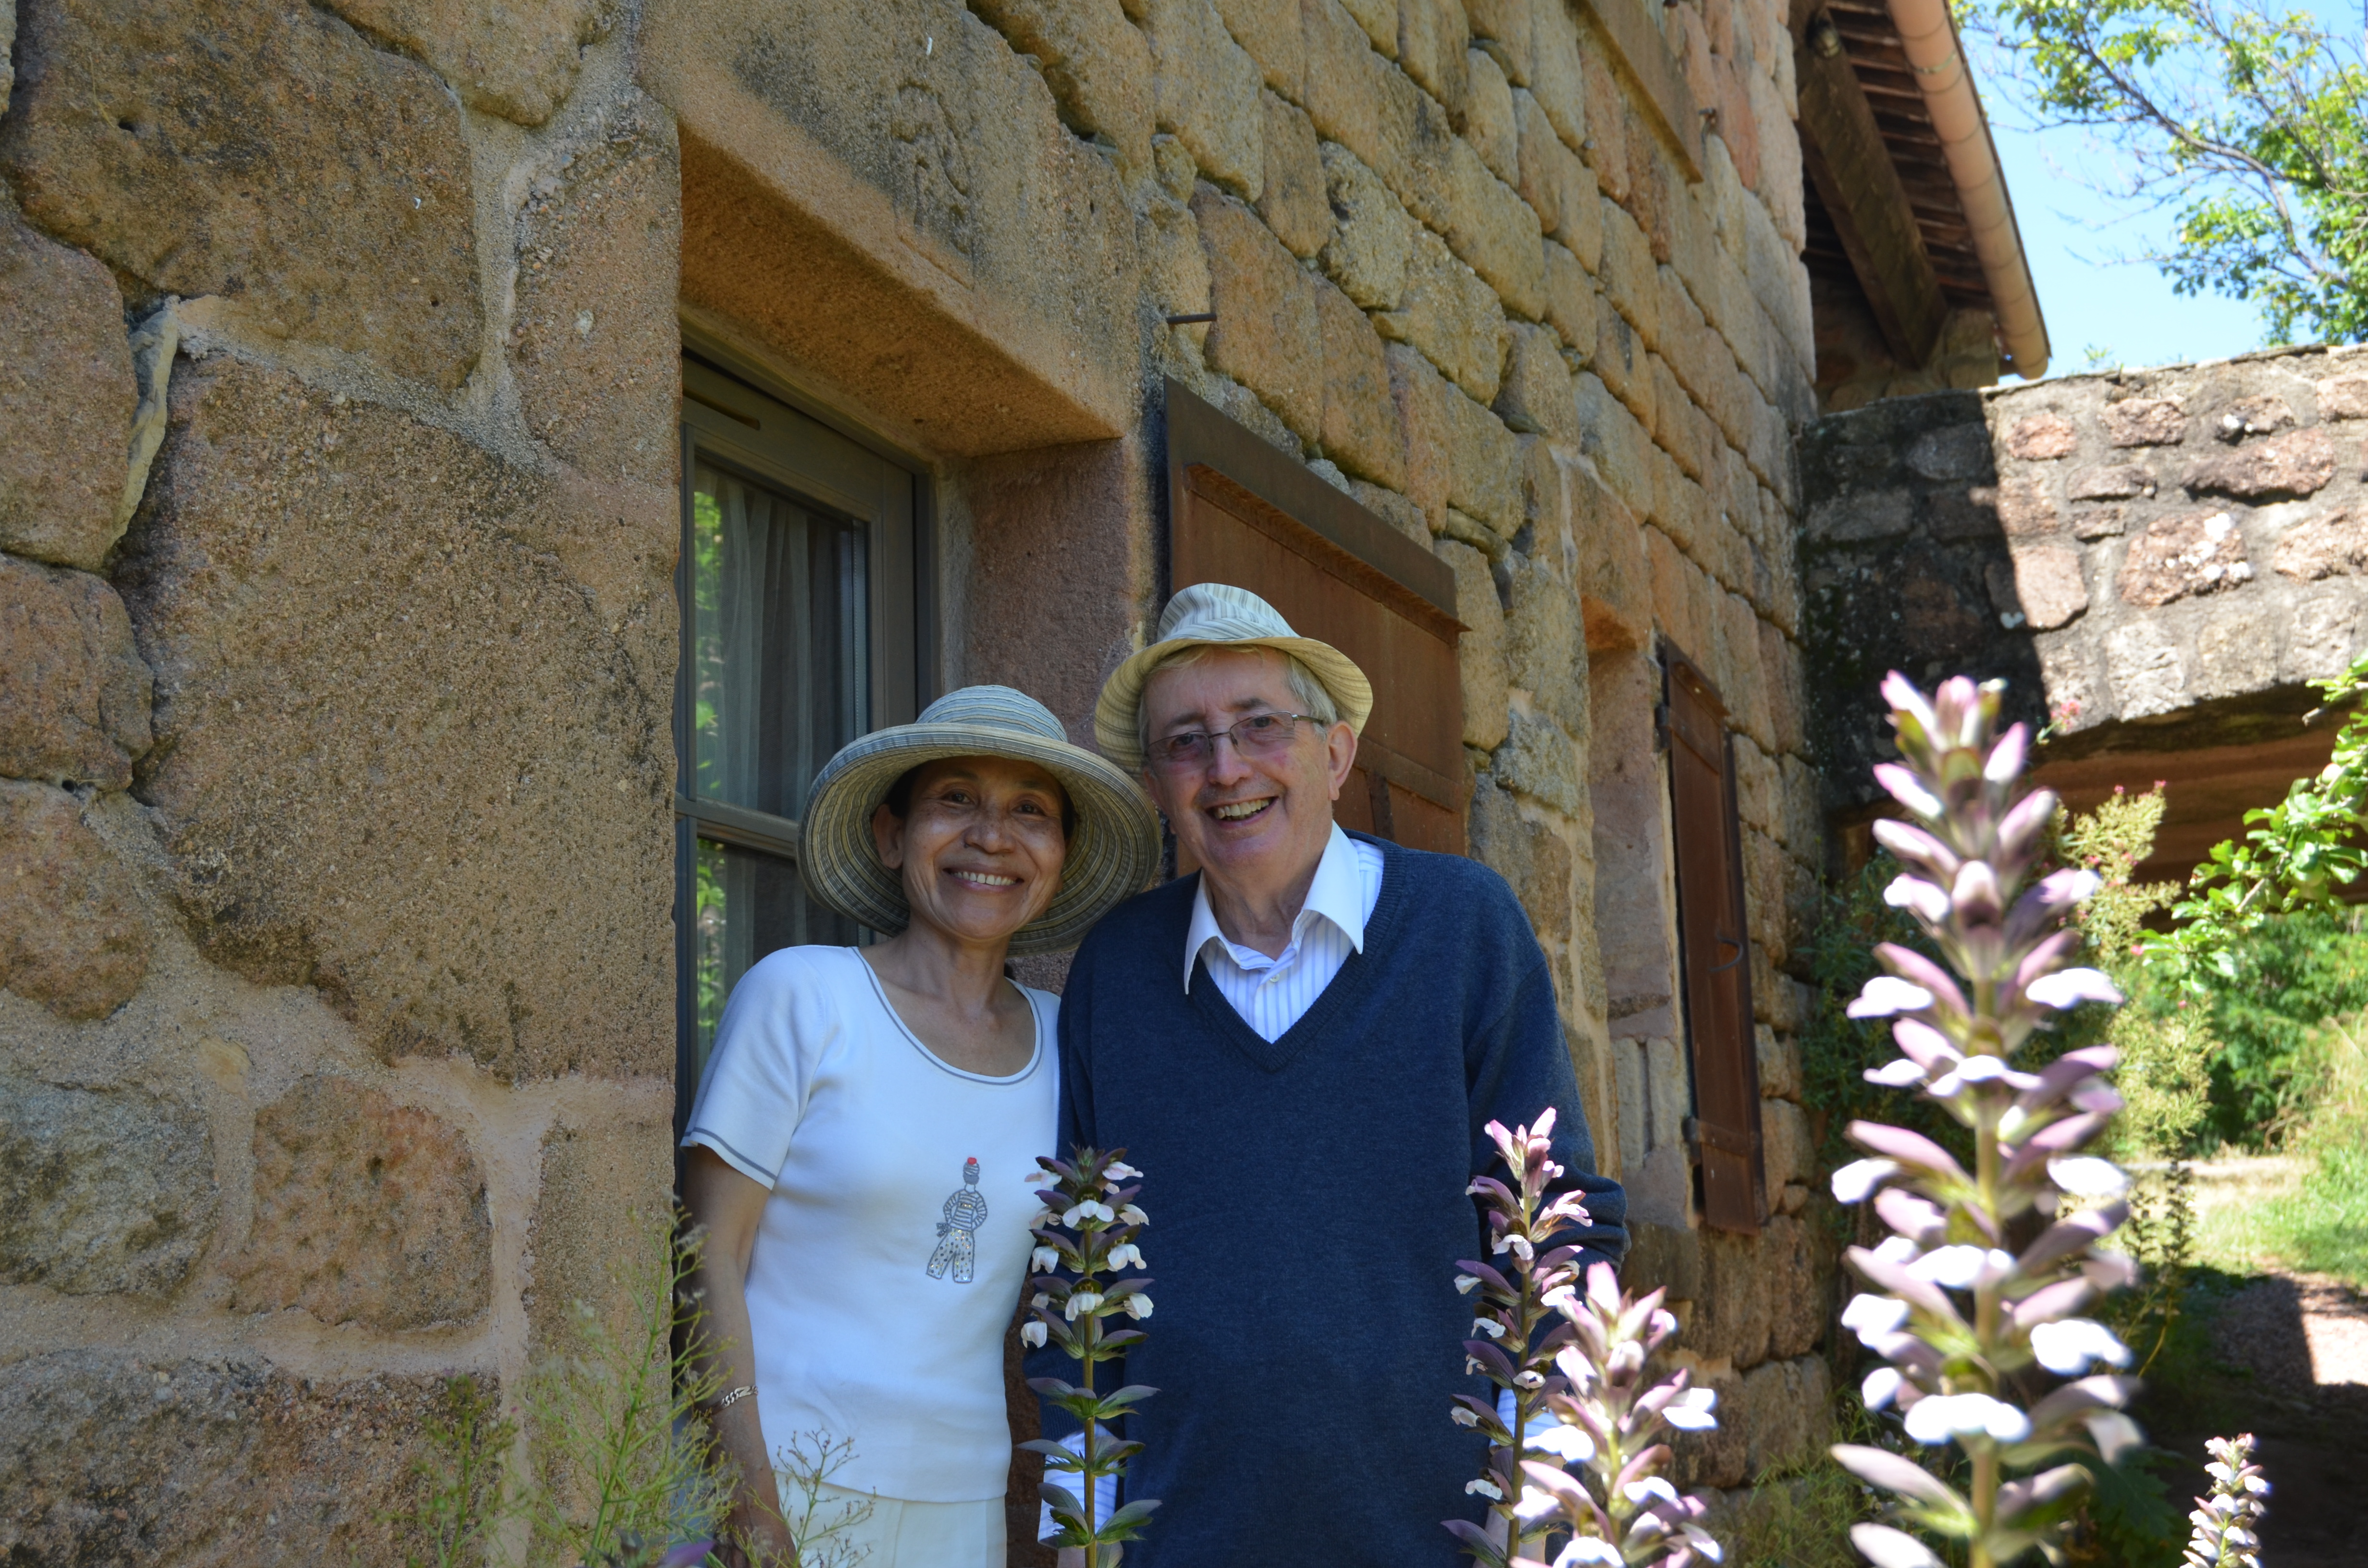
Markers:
(1357, 977)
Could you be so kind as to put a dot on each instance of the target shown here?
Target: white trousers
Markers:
(897, 1534)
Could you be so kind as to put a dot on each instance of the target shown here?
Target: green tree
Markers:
(2251, 126)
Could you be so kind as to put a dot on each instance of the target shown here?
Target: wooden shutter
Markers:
(1241, 512)
(1716, 952)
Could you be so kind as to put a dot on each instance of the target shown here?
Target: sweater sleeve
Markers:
(1518, 1064)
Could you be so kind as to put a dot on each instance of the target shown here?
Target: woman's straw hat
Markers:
(1219, 615)
(1112, 854)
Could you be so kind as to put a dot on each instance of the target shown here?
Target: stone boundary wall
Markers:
(2128, 549)
(338, 372)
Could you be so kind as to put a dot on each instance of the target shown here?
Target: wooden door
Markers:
(1715, 950)
(1244, 514)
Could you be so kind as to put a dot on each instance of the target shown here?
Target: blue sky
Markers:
(2076, 237)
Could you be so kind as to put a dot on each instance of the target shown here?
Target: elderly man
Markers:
(1300, 1045)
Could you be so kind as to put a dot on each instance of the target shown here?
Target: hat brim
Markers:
(1112, 855)
(1114, 713)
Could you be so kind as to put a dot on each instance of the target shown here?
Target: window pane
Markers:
(780, 666)
(748, 904)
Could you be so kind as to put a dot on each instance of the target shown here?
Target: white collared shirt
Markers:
(1272, 993)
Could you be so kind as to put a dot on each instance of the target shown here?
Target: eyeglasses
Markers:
(1260, 734)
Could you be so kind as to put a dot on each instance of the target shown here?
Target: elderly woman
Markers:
(861, 1150)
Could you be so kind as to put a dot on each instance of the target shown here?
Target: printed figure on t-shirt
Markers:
(965, 1212)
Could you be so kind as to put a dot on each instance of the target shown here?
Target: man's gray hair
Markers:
(1306, 691)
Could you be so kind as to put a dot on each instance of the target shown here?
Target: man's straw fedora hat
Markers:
(1218, 615)
(1112, 855)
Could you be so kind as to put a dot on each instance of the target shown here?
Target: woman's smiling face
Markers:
(981, 847)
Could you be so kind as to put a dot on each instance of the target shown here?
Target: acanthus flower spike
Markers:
(1966, 1324)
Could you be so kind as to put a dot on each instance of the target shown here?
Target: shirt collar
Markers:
(1336, 894)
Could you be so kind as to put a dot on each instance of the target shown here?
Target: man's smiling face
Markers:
(1250, 818)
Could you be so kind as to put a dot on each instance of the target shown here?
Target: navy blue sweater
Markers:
(1308, 1209)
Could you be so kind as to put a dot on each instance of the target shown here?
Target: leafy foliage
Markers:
(459, 1501)
(2293, 973)
(2252, 125)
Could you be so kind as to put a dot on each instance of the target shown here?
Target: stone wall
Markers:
(336, 649)
(2154, 560)
(338, 637)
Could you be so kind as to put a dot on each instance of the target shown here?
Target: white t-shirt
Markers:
(892, 1251)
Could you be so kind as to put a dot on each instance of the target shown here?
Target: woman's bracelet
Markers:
(731, 1398)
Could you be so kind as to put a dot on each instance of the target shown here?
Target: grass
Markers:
(2306, 1211)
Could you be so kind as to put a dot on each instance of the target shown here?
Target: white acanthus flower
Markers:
(1898, 1249)
(1119, 1170)
(1871, 1317)
(1587, 1551)
(1033, 1333)
(1651, 1488)
(1566, 1443)
(1691, 1411)
(1488, 1326)
(2067, 1348)
(1467, 1283)
(1518, 1246)
(1124, 1256)
(1042, 1259)
(1529, 1379)
(2070, 987)
(1939, 1417)
(1887, 994)
(1464, 1417)
(1138, 1307)
(1040, 1299)
(1882, 1386)
(1133, 1214)
(1486, 1488)
(1962, 1268)
(1899, 1073)
(2085, 1176)
(1091, 1208)
(1855, 1182)
(1081, 1301)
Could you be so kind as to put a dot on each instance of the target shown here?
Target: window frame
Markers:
(747, 421)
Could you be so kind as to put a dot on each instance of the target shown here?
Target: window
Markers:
(801, 631)
(1241, 512)
(1715, 950)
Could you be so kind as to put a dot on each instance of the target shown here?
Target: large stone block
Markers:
(2335, 544)
(71, 934)
(2146, 667)
(1556, 74)
(1095, 61)
(2047, 584)
(1788, 1151)
(1206, 89)
(74, 694)
(2146, 421)
(2186, 554)
(1546, 644)
(321, 187)
(1615, 439)
(1615, 573)
(2237, 653)
(1535, 398)
(1571, 306)
(66, 397)
(1484, 220)
(1784, 1410)
(1732, 1316)
(1432, 37)
(2283, 468)
(1503, 28)
(1293, 203)
(1531, 855)
(1419, 396)
(1449, 313)
(1373, 238)
(1484, 466)
(1353, 95)
(102, 1189)
(514, 58)
(1361, 425)
(1275, 38)
(601, 1215)
(594, 344)
(208, 1462)
(2343, 397)
(1265, 336)
(400, 686)
(1378, 20)
(1718, 1456)
(1481, 659)
(1491, 122)
(365, 1211)
(1540, 761)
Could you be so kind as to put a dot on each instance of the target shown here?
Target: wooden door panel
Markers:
(1716, 952)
